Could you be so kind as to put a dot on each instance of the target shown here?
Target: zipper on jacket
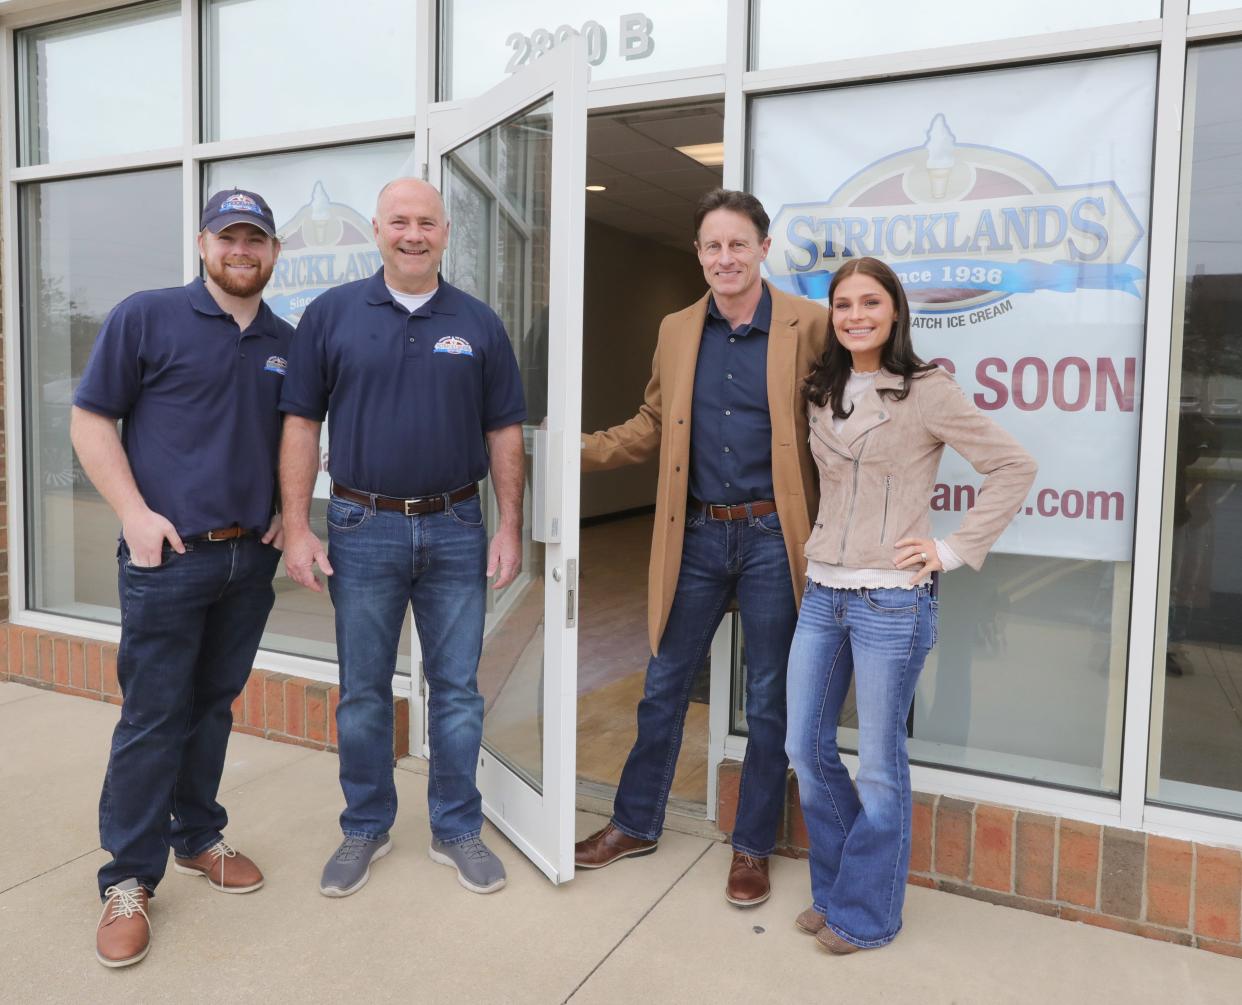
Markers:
(845, 533)
(884, 523)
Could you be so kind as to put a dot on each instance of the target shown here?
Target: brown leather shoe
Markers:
(123, 935)
(830, 940)
(810, 921)
(226, 870)
(748, 881)
(607, 845)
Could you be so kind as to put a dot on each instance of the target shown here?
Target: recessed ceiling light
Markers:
(597, 188)
(707, 154)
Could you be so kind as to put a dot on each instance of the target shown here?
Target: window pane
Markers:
(498, 251)
(80, 95)
(482, 41)
(323, 201)
(1017, 214)
(1196, 729)
(83, 251)
(789, 32)
(1206, 6)
(274, 66)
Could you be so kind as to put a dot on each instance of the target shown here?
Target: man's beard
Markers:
(237, 286)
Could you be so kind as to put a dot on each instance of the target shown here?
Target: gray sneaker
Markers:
(478, 868)
(349, 868)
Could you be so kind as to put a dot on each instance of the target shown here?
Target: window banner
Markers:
(1014, 206)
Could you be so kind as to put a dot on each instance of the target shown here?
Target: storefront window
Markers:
(1016, 211)
(790, 33)
(1196, 733)
(81, 94)
(275, 66)
(483, 41)
(323, 201)
(83, 251)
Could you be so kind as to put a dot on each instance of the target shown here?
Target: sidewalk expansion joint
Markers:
(643, 917)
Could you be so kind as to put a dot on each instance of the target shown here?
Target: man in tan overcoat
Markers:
(736, 497)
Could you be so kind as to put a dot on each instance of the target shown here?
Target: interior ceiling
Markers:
(652, 188)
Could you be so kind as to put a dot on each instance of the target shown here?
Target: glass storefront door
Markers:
(512, 166)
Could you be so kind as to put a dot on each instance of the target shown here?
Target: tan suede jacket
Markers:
(876, 477)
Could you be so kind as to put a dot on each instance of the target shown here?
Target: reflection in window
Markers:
(1197, 698)
(791, 33)
(314, 66)
(322, 201)
(83, 251)
(499, 252)
(79, 92)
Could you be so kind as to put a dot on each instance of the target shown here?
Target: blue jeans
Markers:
(719, 559)
(189, 631)
(437, 562)
(860, 839)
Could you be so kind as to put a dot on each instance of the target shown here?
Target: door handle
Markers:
(571, 592)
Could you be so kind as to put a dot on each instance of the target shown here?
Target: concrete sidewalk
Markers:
(655, 929)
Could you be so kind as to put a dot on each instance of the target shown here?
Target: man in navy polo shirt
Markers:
(194, 375)
(423, 398)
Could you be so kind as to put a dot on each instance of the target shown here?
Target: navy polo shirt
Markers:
(408, 396)
(197, 399)
(731, 428)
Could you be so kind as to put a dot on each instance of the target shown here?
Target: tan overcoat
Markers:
(797, 339)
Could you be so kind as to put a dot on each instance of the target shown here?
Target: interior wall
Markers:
(631, 284)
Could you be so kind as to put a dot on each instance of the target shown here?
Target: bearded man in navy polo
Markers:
(194, 375)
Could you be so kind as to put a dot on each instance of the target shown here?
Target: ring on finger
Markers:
(923, 556)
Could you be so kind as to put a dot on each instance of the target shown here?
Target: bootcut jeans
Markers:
(720, 559)
(860, 838)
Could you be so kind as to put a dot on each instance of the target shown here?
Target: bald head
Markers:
(403, 188)
(411, 232)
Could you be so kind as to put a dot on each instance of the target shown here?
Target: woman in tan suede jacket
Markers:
(880, 419)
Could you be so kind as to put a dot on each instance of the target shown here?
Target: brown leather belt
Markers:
(740, 511)
(223, 534)
(410, 507)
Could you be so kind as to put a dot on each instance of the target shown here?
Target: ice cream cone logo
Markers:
(324, 244)
(940, 145)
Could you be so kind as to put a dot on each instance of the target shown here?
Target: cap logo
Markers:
(239, 202)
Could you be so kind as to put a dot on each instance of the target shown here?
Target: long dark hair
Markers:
(826, 384)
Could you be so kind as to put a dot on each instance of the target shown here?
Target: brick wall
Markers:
(274, 706)
(1128, 881)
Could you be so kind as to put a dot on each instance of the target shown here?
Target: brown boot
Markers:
(123, 935)
(810, 921)
(748, 880)
(226, 870)
(607, 845)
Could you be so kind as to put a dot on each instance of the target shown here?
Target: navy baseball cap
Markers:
(231, 206)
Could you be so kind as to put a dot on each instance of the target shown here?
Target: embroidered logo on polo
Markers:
(454, 346)
(963, 225)
(276, 364)
(239, 202)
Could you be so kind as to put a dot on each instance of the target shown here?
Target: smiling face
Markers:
(730, 251)
(863, 317)
(412, 231)
(239, 259)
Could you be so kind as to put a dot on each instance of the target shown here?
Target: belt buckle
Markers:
(407, 503)
(211, 536)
